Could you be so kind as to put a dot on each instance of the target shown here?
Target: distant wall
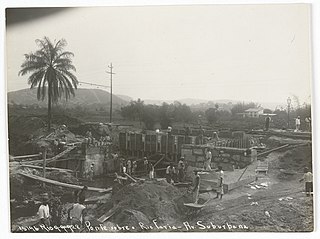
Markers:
(228, 158)
(139, 145)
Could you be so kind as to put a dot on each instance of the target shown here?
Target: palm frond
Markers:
(36, 77)
(72, 77)
(64, 67)
(65, 54)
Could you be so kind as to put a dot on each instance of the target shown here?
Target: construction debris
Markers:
(49, 181)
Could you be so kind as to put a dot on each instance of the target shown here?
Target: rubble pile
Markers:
(144, 202)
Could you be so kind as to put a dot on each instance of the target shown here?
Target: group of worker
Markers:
(307, 122)
(148, 168)
(219, 188)
(103, 140)
(128, 166)
(297, 123)
(50, 210)
(173, 175)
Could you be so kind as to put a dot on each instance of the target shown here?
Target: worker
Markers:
(145, 164)
(196, 187)
(129, 167)
(208, 158)
(308, 179)
(169, 130)
(134, 166)
(215, 136)
(170, 173)
(76, 213)
(61, 145)
(82, 194)
(124, 166)
(89, 136)
(220, 191)
(201, 135)
(56, 146)
(56, 211)
(308, 123)
(297, 124)
(187, 131)
(44, 211)
(267, 121)
(181, 168)
(151, 170)
(91, 172)
(121, 165)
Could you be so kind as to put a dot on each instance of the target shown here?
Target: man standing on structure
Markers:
(220, 182)
(196, 187)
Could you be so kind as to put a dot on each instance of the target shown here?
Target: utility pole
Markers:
(44, 156)
(111, 73)
(289, 104)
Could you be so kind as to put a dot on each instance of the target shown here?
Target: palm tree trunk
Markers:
(49, 107)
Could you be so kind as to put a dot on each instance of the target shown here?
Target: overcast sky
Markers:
(255, 53)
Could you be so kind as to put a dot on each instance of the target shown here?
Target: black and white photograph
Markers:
(148, 119)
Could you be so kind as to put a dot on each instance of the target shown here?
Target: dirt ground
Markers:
(281, 206)
(274, 203)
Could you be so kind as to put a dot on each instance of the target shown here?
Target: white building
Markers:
(254, 112)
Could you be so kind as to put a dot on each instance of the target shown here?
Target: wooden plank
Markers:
(182, 184)
(57, 183)
(47, 168)
(107, 215)
(55, 157)
(271, 150)
(159, 161)
(130, 177)
(194, 205)
(26, 156)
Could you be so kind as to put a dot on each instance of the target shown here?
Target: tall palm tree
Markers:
(51, 71)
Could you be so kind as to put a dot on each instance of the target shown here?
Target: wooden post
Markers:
(44, 156)
(167, 141)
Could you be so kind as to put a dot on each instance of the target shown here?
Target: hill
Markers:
(83, 97)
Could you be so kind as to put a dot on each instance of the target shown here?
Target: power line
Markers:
(92, 84)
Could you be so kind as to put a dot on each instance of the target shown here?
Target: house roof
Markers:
(254, 110)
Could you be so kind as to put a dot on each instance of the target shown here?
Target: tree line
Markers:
(148, 115)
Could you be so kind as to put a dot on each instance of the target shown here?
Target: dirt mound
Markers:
(293, 162)
(146, 201)
(270, 214)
